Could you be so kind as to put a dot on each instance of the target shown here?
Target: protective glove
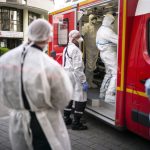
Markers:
(147, 88)
(85, 86)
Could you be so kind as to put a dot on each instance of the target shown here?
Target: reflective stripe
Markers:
(78, 112)
(67, 109)
(103, 42)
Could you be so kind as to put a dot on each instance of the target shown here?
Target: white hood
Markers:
(108, 21)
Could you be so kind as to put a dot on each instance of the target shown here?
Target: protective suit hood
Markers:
(39, 30)
(108, 21)
(75, 34)
(91, 18)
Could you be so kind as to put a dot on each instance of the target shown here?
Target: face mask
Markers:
(94, 21)
(79, 40)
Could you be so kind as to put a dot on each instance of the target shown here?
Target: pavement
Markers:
(99, 136)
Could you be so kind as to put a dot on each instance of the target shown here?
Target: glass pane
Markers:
(5, 19)
(20, 20)
(23, 1)
(0, 20)
(32, 16)
(13, 18)
(63, 32)
(0, 25)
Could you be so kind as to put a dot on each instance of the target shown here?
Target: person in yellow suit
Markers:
(89, 31)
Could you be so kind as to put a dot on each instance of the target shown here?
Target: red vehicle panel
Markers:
(57, 20)
(138, 72)
(132, 107)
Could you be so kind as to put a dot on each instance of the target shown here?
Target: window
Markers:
(63, 27)
(0, 19)
(5, 19)
(11, 19)
(32, 16)
(148, 38)
(16, 1)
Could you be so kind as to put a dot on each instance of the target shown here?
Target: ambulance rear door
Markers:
(138, 105)
(63, 23)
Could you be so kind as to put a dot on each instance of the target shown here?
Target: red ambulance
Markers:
(132, 107)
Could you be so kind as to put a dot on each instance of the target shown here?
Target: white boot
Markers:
(102, 95)
(110, 97)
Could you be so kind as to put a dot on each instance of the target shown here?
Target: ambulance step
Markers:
(102, 113)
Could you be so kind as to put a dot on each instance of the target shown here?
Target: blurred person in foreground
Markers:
(36, 88)
(73, 65)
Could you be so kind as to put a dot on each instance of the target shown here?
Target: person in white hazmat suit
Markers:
(89, 31)
(73, 64)
(35, 88)
(106, 41)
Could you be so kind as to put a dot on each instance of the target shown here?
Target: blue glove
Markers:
(147, 87)
(85, 86)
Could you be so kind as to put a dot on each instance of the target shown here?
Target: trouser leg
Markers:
(111, 91)
(104, 86)
(78, 113)
(67, 113)
(89, 77)
(109, 58)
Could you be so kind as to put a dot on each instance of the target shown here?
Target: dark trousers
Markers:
(78, 110)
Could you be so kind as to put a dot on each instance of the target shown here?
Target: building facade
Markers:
(16, 15)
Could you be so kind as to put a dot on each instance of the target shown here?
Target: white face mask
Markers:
(79, 40)
(94, 21)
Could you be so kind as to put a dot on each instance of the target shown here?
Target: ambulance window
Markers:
(148, 37)
(63, 29)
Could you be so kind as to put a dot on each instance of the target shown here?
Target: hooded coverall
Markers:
(89, 31)
(106, 41)
(73, 65)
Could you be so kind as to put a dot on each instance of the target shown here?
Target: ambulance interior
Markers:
(95, 106)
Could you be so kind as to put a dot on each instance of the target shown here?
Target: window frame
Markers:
(65, 21)
(33, 14)
(19, 20)
(148, 37)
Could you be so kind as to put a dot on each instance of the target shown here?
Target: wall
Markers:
(45, 4)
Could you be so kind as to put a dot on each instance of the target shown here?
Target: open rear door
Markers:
(143, 73)
(138, 105)
(63, 23)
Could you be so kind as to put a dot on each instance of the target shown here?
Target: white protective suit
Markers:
(75, 69)
(48, 90)
(89, 31)
(73, 64)
(106, 41)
